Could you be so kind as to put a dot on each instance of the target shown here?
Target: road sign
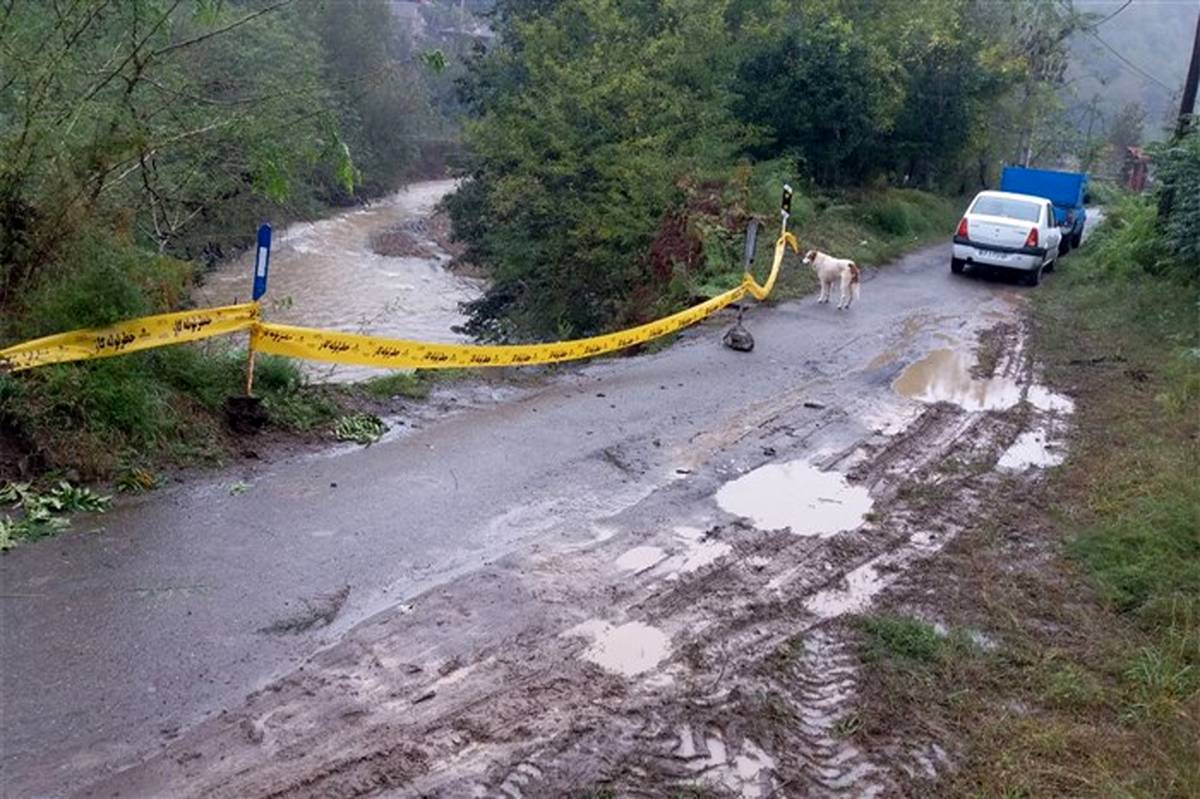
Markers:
(262, 259)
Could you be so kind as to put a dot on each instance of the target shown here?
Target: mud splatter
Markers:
(945, 376)
(796, 495)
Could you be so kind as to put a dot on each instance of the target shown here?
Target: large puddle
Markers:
(796, 495)
(628, 649)
(945, 376)
(327, 274)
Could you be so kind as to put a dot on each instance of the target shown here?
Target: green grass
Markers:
(902, 639)
(415, 385)
(412, 385)
(1094, 689)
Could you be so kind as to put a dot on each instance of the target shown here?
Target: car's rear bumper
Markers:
(1026, 258)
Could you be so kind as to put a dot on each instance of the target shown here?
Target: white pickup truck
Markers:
(1007, 231)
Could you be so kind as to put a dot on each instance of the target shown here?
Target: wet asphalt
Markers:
(139, 623)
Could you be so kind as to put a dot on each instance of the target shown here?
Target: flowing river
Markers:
(331, 274)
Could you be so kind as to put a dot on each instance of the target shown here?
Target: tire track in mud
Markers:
(755, 698)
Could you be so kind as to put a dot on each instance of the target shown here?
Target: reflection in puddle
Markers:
(639, 559)
(945, 376)
(796, 495)
(1031, 449)
(628, 649)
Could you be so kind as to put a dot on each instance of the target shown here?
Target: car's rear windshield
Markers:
(1005, 206)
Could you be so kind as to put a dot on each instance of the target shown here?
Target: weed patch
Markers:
(901, 639)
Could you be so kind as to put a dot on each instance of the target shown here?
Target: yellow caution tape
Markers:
(764, 291)
(388, 353)
(351, 348)
(131, 336)
(391, 353)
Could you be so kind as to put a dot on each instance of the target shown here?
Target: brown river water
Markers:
(326, 274)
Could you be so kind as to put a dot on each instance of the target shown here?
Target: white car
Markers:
(1009, 231)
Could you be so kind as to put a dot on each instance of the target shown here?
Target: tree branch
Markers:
(210, 34)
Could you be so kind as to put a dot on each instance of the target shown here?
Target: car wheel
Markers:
(1077, 239)
(1034, 277)
(957, 265)
(1064, 246)
(1050, 266)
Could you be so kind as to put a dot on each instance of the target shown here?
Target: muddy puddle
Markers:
(331, 273)
(1044, 399)
(747, 774)
(861, 586)
(690, 548)
(696, 549)
(944, 375)
(627, 649)
(639, 559)
(1032, 448)
(796, 495)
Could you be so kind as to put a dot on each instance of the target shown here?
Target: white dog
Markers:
(829, 270)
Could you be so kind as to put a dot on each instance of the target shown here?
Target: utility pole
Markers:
(1187, 108)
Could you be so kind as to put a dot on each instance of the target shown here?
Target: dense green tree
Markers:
(588, 114)
(181, 123)
(820, 94)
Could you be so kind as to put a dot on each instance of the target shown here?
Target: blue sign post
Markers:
(262, 260)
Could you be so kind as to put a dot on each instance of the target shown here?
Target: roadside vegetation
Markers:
(142, 141)
(617, 149)
(1089, 681)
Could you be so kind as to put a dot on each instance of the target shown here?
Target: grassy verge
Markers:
(1089, 586)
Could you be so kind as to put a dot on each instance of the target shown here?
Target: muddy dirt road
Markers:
(587, 581)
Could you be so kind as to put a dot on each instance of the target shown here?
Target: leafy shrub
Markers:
(1178, 166)
(1128, 243)
(890, 216)
(97, 280)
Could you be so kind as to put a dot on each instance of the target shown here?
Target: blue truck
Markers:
(1065, 190)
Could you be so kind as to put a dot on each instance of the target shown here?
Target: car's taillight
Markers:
(962, 228)
(1032, 239)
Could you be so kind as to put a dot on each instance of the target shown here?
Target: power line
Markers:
(1091, 31)
(1129, 63)
(1128, 3)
